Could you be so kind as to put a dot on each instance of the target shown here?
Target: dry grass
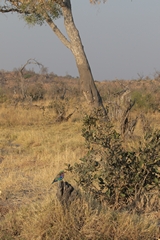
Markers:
(48, 220)
(32, 150)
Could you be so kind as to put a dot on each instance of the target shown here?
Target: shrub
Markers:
(3, 97)
(145, 101)
(36, 91)
(110, 172)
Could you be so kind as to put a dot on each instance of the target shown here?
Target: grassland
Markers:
(33, 149)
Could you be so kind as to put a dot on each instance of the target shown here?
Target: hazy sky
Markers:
(121, 39)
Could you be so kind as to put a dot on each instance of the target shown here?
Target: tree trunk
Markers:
(87, 83)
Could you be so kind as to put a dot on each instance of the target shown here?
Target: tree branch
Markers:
(7, 10)
(56, 30)
(47, 18)
(30, 61)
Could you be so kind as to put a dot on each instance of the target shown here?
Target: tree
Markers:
(40, 11)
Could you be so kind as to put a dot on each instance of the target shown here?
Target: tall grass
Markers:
(49, 220)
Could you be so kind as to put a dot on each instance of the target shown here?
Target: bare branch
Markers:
(30, 61)
(7, 9)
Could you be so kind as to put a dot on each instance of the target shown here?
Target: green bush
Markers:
(28, 75)
(110, 172)
(144, 101)
(36, 91)
(3, 97)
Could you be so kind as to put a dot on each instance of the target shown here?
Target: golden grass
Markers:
(49, 220)
(33, 148)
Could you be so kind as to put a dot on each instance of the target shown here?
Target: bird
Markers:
(59, 177)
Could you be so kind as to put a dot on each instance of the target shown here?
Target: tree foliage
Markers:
(34, 11)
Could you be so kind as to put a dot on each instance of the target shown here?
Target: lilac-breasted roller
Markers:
(59, 177)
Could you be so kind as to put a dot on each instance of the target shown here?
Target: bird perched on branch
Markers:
(59, 177)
